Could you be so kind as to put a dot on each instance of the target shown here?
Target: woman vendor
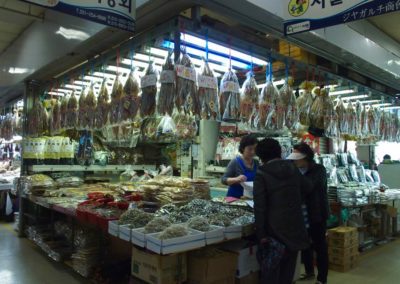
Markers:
(242, 168)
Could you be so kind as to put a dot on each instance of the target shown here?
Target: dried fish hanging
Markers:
(166, 96)
(359, 111)
(331, 119)
(208, 93)
(72, 110)
(55, 121)
(320, 108)
(82, 112)
(149, 91)
(289, 104)
(230, 97)
(64, 113)
(341, 113)
(248, 99)
(305, 101)
(352, 119)
(103, 106)
(131, 101)
(90, 106)
(364, 123)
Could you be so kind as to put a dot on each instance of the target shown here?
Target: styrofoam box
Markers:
(215, 235)
(233, 232)
(113, 228)
(125, 233)
(193, 240)
(138, 237)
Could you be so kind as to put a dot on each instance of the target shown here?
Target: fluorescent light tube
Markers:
(391, 107)
(382, 105)
(74, 87)
(341, 92)
(355, 97)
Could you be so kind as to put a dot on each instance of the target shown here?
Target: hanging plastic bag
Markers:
(82, 111)
(208, 93)
(166, 96)
(90, 106)
(230, 97)
(289, 104)
(318, 108)
(359, 111)
(131, 100)
(267, 115)
(351, 120)
(103, 107)
(374, 121)
(364, 123)
(330, 120)
(248, 99)
(305, 101)
(55, 122)
(149, 91)
(64, 112)
(72, 117)
(117, 96)
(166, 129)
(186, 126)
(341, 113)
(186, 93)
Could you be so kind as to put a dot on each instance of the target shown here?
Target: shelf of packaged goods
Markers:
(215, 169)
(93, 168)
(6, 186)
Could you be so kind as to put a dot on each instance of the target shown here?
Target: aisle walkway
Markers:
(21, 262)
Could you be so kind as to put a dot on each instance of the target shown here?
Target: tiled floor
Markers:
(21, 262)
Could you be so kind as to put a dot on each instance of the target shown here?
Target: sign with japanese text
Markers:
(306, 15)
(114, 13)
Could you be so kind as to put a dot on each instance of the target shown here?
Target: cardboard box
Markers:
(246, 256)
(125, 233)
(343, 243)
(215, 235)
(138, 237)
(392, 211)
(342, 233)
(113, 228)
(343, 260)
(233, 232)
(194, 240)
(346, 252)
(211, 265)
(157, 269)
(252, 278)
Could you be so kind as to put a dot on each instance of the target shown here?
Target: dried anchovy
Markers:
(148, 104)
(156, 225)
(244, 220)
(174, 231)
(186, 94)
(131, 101)
(220, 220)
(199, 223)
(166, 97)
(135, 218)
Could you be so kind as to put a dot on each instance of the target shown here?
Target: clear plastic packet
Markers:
(166, 96)
(166, 129)
(149, 91)
(305, 101)
(318, 109)
(208, 93)
(186, 126)
(90, 106)
(341, 113)
(330, 120)
(55, 121)
(374, 121)
(187, 97)
(359, 110)
(364, 123)
(72, 110)
(131, 100)
(149, 128)
(289, 103)
(103, 107)
(351, 120)
(230, 97)
(82, 111)
(37, 120)
(248, 99)
(6, 127)
(117, 96)
(267, 115)
(64, 112)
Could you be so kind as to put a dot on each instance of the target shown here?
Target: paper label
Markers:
(207, 82)
(167, 76)
(149, 80)
(229, 86)
(186, 72)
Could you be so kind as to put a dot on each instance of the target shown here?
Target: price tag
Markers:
(149, 80)
(230, 86)
(186, 72)
(207, 82)
(167, 76)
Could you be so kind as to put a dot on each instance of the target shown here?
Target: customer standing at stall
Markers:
(242, 168)
(278, 196)
(318, 211)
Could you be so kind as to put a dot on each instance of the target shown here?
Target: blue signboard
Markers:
(115, 13)
(306, 15)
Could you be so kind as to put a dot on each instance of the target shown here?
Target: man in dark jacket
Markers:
(318, 211)
(278, 191)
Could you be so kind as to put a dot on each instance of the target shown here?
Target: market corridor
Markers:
(21, 262)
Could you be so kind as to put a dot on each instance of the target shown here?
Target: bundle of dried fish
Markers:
(289, 104)
(166, 96)
(117, 96)
(267, 115)
(55, 122)
(103, 107)
(248, 98)
(187, 98)
(72, 111)
(208, 93)
(199, 223)
(174, 231)
(305, 101)
(230, 97)
(156, 225)
(341, 113)
(90, 107)
(82, 111)
(64, 112)
(135, 218)
(131, 100)
(220, 220)
(149, 91)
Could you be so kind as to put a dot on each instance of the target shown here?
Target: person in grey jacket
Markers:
(279, 190)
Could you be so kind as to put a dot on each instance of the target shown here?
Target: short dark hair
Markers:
(306, 150)
(268, 149)
(387, 157)
(248, 140)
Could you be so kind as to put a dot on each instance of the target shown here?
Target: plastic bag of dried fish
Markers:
(149, 91)
(158, 224)
(117, 96)
(166, 96)
(55, 122)
(82, 111)
(220, 220)
(131, 100)
(248, 99)
(359, 111)
(267, 115)
(72, 111)
(199, 223)
(174, 231)
(166, 129)
(289, 104)
(103, 107)
(187, 97)
(135, 218)
(364, 123)
(330, 120)
(208, 93)
(90, 107)
(320, 108)
(351, 120)
(341, 113)
(305, 101)
(64, 112)
(229, 99)
(186, 126)
(374, 121)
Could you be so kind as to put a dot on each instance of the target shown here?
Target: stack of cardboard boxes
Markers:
(343, 248)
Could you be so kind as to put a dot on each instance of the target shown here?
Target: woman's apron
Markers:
(236, 190)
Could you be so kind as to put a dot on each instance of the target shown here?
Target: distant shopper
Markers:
(318, 212)
(278, 191)
(242, 168)
(387, 159)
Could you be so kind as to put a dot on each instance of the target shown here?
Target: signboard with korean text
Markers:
(114, 13)
(306, 15)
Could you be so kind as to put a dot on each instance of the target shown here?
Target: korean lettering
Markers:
(336, 2)
(110, 3)
(126, 4)
(319, 2)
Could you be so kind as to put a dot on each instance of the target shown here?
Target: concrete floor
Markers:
(21, 262)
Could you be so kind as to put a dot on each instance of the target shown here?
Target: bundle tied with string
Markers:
(90, 106)
(55, 121)
(166, 96)
(374, 121)
(305, 101)
(331, 119)
(149, 91)
(131, 100)
(341, 113)
(72, 110)
(267, 115)
(320, 108)
(187, 98)
(351, 120)
(82, 111)
(103, 107)
(230, 97)
(289, 104)
(248, 99)
(359, 111)
(208, 93)
(63, 112)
